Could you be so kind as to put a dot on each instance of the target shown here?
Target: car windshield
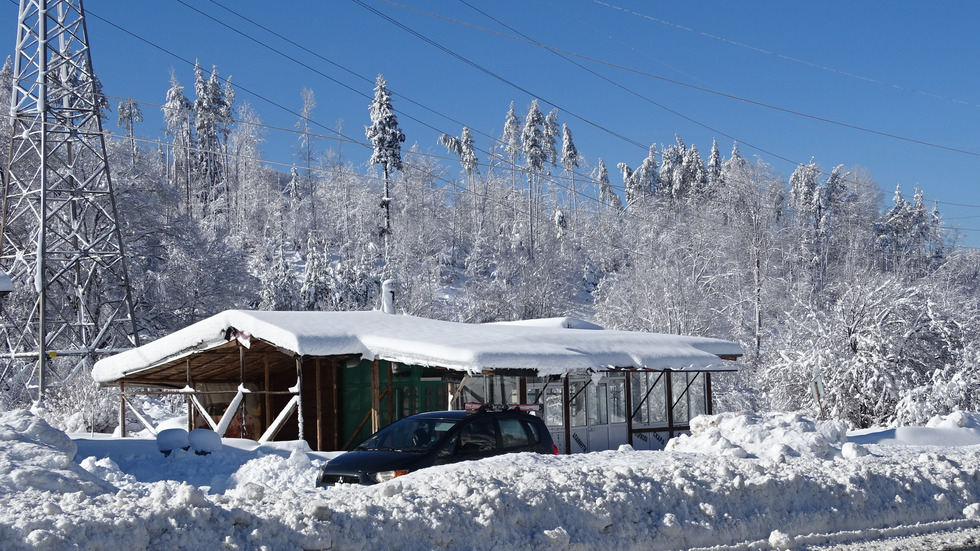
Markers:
(409, 435)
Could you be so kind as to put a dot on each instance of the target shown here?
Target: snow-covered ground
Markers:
(739, 481)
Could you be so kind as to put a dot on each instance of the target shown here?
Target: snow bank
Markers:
(36, 457)
(796, 482)
(769, 435)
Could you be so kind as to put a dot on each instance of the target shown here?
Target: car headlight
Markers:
(385, 476)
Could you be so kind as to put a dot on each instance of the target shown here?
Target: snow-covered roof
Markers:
(548, 347)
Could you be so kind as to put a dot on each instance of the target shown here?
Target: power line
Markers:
(553, 177)
(494, 75)
(784, 57)
(699, 88)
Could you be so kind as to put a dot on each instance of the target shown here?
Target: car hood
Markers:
(368, 461)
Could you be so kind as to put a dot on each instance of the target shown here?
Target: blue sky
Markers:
(888, 67)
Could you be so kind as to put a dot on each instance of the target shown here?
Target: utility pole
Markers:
(69, 300)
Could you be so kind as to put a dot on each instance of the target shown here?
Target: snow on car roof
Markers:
(548, 347)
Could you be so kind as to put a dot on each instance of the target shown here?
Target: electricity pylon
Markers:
(68, 299)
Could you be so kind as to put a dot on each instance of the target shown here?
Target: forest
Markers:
(824, 279)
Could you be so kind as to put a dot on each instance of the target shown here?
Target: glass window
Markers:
(512, 434)
(554, 414)
(598, 404)
(533, 430)
(680, 398)
(649, 389)
(577, 404)
(699, 403)
(617, 400)
(473, 391)
(479, 435)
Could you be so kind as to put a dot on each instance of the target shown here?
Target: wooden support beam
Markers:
(335, 376)
(319, 406)
(241, 382)
(629, 407)
(299, 398)
(276, 425)
(707, 395)
(190, 404)
(268, 397)
(391, 393)
(375, 397)
(122, 409)
(667, 403)
(566, 412)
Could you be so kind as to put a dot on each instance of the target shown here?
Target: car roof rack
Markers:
(477, 407)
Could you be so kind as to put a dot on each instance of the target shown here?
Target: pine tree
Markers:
(511, 139)
(178, 118)
(315, 290)
(306, 151)
(647, 176)
(550, 135)
(386, 139)
(535, 157)
(607, 197)
(212, 120)
(714, 166)
(695, 176)
(569, 161)
(279, 286)
(130, 114)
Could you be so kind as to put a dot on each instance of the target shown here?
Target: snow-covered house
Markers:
(334, 377)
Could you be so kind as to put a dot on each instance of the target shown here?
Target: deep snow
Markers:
(739, 481)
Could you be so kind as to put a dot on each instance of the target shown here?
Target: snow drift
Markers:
(794, 482)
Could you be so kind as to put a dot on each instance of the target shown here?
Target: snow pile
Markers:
(36, 457)
(956, 429)
(822, 490)
(774, 436)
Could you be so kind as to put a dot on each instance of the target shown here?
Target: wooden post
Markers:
(299, 398)
(629, 407)
(707, 394)
(391, 393)
(122, 409)
(319, 408)
(669, 402)
(375, 398)
(241, 381)
(190, 402)
(567, 414)
(268, 397)
(335, 368)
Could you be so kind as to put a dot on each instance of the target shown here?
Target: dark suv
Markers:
(437, 438)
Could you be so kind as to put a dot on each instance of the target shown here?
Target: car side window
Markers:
(449, 447)
(512, 433)
(479, 435)
(533, 431)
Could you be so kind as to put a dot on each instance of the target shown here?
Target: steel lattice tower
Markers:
(68, 298)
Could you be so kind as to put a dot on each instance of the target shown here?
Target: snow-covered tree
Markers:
(129, 115)
(607, 197)
(570, 161)
(279, 285)
(511, 139)
(386, 139)
(550, 131)
(315, 290)
(212, 121)
(535, 157)
(178, 118)
(714, 166)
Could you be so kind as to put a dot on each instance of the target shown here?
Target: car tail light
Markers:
(554, 448)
